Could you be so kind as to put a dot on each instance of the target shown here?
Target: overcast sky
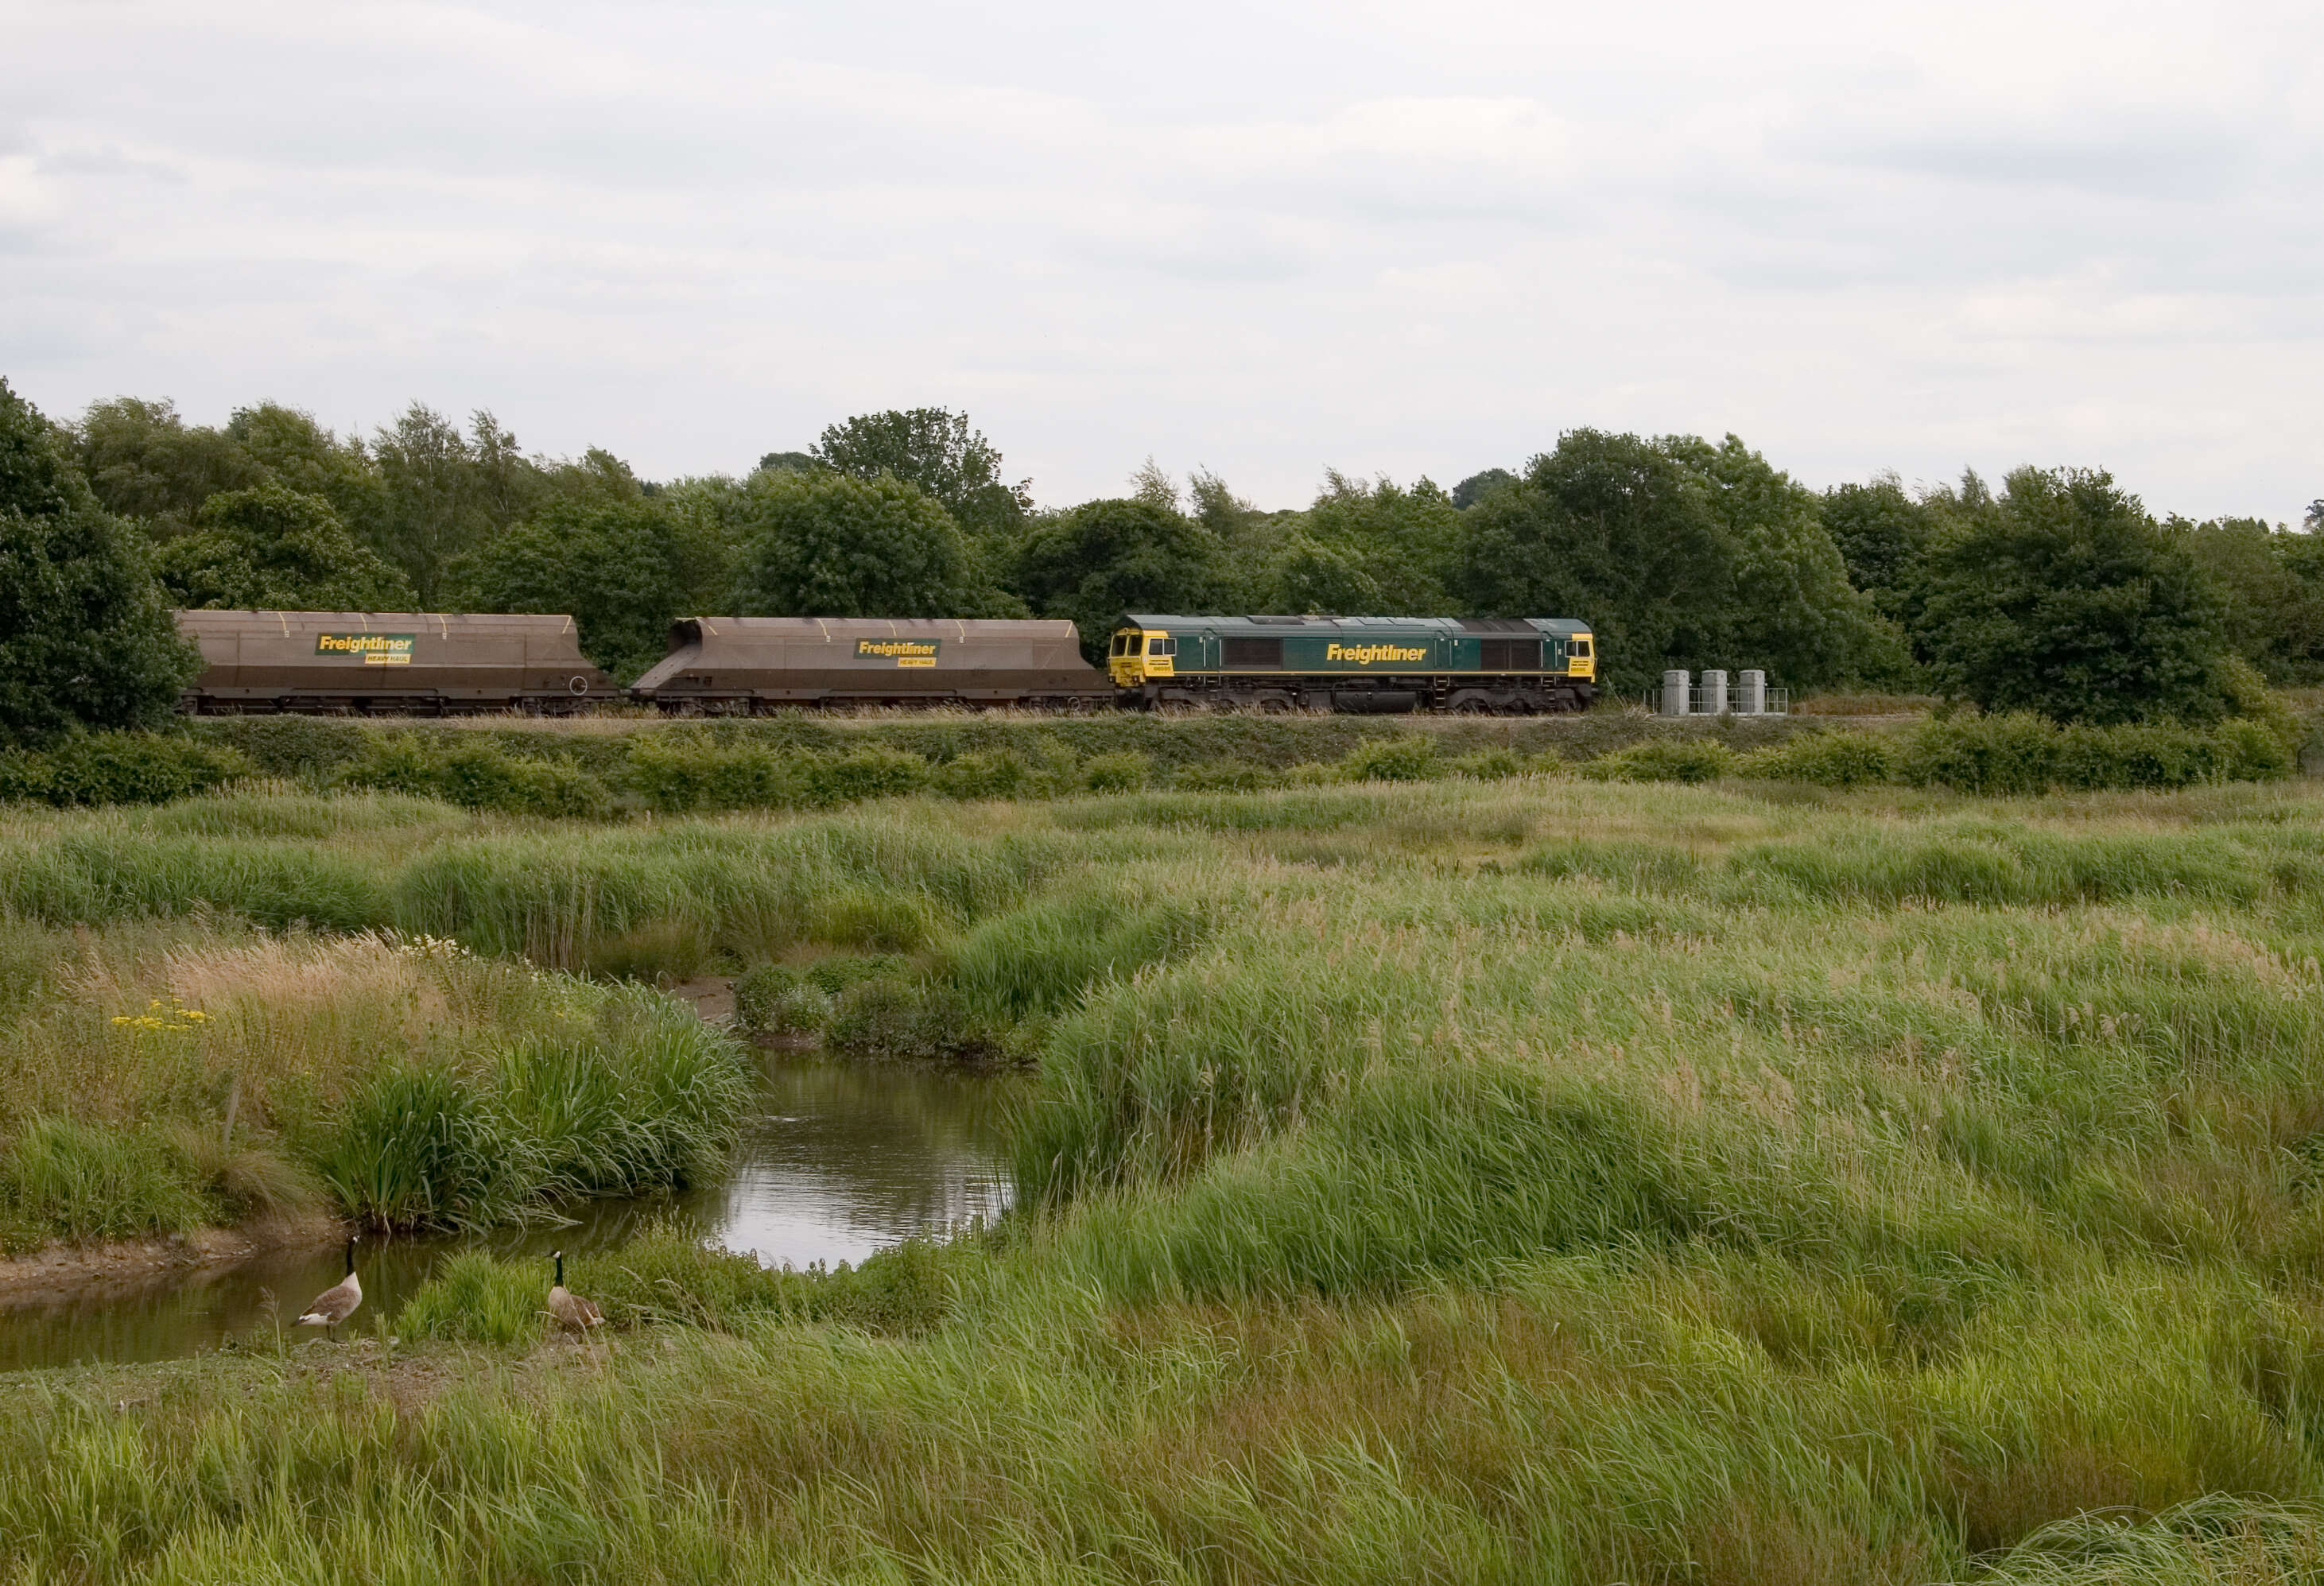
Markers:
(1268, 238)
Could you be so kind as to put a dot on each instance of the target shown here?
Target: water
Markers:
(838, 1162)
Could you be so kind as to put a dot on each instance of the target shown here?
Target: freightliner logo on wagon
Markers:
(1363, 655)
(905, 652)
(374, 650)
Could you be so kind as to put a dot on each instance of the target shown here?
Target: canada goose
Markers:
(335, 1304)
(573, 1312)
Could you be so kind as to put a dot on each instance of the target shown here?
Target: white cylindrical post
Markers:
(1673, 694)
(1751, 693)
(1714, 694)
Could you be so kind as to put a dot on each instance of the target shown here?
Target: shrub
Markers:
(1409, 757)
(992, 774)
(118, 768)
(477, 774)
(1488, 765)
(1825, 760)
(778, 1000)
(911, 1021)
(1125, 773)
(1663, 759)
(676, 773)
(835, 973)
(866, 773)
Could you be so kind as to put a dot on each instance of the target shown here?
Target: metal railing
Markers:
(1713, 697)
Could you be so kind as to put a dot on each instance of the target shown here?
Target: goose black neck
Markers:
(351, 1258)
(560, 1269)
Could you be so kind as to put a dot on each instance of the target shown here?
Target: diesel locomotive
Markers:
(1499, 666)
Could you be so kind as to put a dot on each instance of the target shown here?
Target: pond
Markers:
(838, 1161)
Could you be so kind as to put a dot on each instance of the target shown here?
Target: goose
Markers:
(573, 1312)
(335, 1304)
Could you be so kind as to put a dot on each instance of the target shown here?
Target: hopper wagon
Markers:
(739, 666)
(1498, 666)
(402, 663)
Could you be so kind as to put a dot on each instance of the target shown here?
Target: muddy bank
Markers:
(58, 1274)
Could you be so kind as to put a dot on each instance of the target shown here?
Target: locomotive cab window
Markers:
(1158, 645)
(1581, 648)
(1121, 644)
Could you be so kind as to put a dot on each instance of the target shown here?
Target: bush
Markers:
(681, 773)
(835, 973)
(475, 775)
(902, 1020)
(1409, 757)
(990, 774)
(415, 1148)
(118, 768)
(1825, 760)
(1488, 765)
(1125, 773)
(2027, 754)
(1663, 759)
(866, 773)
(778, 1000)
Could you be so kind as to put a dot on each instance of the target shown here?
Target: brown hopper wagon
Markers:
(418, 663)
(740, 665)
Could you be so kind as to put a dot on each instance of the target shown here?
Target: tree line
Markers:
(2059, 593)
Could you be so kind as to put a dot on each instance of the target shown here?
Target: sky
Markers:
(1263, 238)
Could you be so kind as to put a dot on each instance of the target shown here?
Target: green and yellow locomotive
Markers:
(1502, 665)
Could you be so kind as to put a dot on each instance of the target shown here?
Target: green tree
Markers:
(623, 570)
(142, 460)
(1093, 562)
(938, 451)
(1881, 531)
(1307, 576)
(1615, 532)
(832, 545)
(85, 638)
(436, 500)
(1475, 487)
(274, 549)
(2066, 599)
(1400, 541)
(2270, 584)
(301, 455)
(1790, 607)
(788, 462)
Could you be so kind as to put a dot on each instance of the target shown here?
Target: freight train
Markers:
(431, 664)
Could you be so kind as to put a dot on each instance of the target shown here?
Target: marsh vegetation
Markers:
(1531, 1179)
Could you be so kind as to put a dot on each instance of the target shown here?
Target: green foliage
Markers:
(624, 570)
(779, 999)
(2025, 754)
(476, 774)
(474, 1298)
(863, 773)
(1042, 958)
(1123, 771)
(1105, 559)
(1411, 758)
(828, 544)
(1365, 549)
(2064, 599)
(118, 768)
(1227, 775)
(647, 1100)
(1475, 487)
(2271, 586)
(1826, 760)
(62, 1179)
(269, 548)
(144, 461)
(1612, 529)
(1663, 759)
(937, 452)
(1488, 765)
(985, 774)
(1881, 533)
(85, 638)
(894, 1020)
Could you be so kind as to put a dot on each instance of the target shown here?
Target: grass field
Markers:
(1537, 1180)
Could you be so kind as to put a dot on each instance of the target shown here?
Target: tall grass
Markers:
(1508, 1180)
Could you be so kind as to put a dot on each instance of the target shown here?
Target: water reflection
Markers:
(840, 1160)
